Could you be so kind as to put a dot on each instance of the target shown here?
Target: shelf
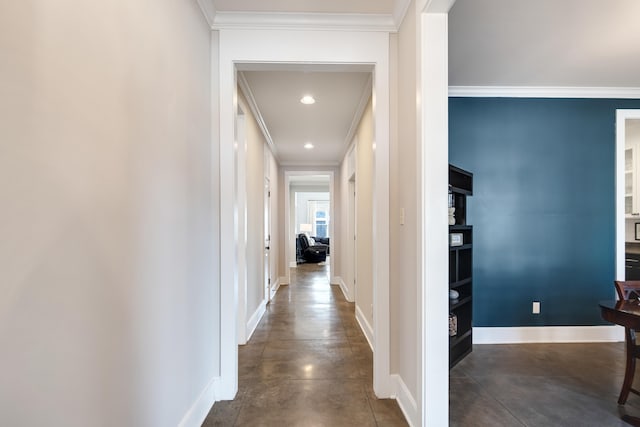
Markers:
(461, 265)
(453, 341)
(459, 227)
(459, 248)
(453, 304)
(459, 283)
(460, 190)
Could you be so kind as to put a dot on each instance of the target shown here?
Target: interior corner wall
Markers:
(364, 214)
(108, 313)
(404, 182)
(543, 208)
(255, 173)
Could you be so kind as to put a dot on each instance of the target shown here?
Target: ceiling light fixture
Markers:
(308, 146)
(308, 100)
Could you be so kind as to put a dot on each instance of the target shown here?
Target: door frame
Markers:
(364, 49)
(266, 232)
(290, 245)
(622, 115)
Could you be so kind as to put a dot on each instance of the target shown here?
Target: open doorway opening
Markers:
(309, 219)
(627, 194)
(370, 52)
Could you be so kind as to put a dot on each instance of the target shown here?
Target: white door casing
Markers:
(239, 46)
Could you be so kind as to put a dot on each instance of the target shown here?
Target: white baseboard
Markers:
(406, 401)
(274, 289)
(293, 264)
(283, 281)
(252, 324)
(547, 334)
(343, 287)
(201, 407)
(367, 330)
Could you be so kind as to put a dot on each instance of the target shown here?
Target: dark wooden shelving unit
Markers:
(461, 266)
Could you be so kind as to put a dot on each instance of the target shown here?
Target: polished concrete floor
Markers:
(307, 364)
(540, 385)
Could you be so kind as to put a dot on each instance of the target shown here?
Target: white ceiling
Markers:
(328, 124)
(571, 43)
(307, 6)
(545, 43)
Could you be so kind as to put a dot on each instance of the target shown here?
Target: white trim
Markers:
(201, 407)
(293, 264)
(208, 10)
(544, 92)
(406, 401)
(283, 281)
(433, 226)
(547, 334)
(257, 115)
(255, 318)
(621, 116)
(343, 287)
(357, 117)
(400, 11)
(366, 328)
(274, 289)
(304, 21)
(329, 47)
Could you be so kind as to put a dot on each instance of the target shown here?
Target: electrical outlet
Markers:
(536, 307)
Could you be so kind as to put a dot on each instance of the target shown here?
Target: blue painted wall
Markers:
(543, 205)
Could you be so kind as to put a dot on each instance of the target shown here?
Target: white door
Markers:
(267, 240)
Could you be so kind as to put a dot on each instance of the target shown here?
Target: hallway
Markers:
(307, 364)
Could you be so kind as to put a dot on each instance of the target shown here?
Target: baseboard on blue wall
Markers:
(547, 334)
(201, 407)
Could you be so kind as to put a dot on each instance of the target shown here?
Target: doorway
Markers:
(627, 183)
(370, 52)
(303, 191)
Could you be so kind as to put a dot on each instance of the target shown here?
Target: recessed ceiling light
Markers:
(308, 146)
(308, 100)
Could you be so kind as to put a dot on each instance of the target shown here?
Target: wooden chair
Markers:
(629, 290)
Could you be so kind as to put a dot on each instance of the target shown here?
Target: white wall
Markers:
(345, 242)
(364, 214)
(255, 173)
(404, 239)
(108, 313)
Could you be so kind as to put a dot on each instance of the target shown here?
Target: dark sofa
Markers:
(311, 253)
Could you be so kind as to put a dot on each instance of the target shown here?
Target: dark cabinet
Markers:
(460, 266)
(632, 266)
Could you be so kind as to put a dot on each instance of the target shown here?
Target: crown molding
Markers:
(310, 164)
(253, 106)
(304, 21)
(544, 92)
(400, 11)
(208, 10)
(355, 122)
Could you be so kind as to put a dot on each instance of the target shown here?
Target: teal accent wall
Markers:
(543, 208)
